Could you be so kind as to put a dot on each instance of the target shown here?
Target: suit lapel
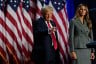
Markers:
(43, 23)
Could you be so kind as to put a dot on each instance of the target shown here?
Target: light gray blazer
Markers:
(79, 34)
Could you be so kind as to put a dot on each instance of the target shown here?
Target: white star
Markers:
(27, 6)
(15, 1)
(55, 2)
(59, 3)
(1, 0)
(11, 1)
(58, 8)
(27, 2)
(14, 5)
(1, 4)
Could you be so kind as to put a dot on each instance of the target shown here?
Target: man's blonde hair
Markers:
(46, 9)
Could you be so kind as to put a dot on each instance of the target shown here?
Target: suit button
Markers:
(81, 31)
(89, 39)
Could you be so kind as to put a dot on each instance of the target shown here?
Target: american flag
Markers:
(61, 20)
(14, 30)
(27, 34)
(16, 37)
(3, 50)
(33, 8)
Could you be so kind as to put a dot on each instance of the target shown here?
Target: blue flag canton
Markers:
(47, 2)
(58, 4)
(2, 3)
(14, 4)
(26, 5)
(43, 2)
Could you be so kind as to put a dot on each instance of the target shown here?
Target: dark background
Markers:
(91, 3)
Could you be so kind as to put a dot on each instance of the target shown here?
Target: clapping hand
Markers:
(53, 29)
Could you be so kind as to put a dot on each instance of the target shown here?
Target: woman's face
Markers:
(82, 11)
(48, 15)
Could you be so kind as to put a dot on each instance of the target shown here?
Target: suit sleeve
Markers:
(71, 36)
(91, 36)
(39, 28)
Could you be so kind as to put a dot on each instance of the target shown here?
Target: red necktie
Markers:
(53, 37)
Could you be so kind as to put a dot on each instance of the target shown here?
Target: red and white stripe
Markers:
(3, 49)
(62, 23)
(33, 8)
(38, 12)
(27, 34)
(14, 33)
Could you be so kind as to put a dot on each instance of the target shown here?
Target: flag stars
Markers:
(58, 8)
(27, 2)
(62, 4)
(27, 6)
(55, 2)
(59, 3)
(1, 4)
(11, 1)
(14, 5)
(1, 1)
(15, 1)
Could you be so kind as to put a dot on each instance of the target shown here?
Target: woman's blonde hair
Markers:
(88, 20)
(46, 9)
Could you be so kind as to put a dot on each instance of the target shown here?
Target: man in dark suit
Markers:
(45, 49)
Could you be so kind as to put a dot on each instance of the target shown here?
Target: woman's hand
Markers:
(92, 56)
(73, 55)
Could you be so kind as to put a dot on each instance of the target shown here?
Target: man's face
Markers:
(48, 15)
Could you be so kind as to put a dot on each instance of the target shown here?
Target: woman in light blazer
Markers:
(80, 33)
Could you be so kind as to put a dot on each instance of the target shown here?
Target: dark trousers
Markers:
(46, 59)
(55, 58)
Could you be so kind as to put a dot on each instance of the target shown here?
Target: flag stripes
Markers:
(16, 32)
(16, 35)
(3, 50)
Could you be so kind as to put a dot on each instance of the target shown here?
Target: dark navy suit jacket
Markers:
(43, 51)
